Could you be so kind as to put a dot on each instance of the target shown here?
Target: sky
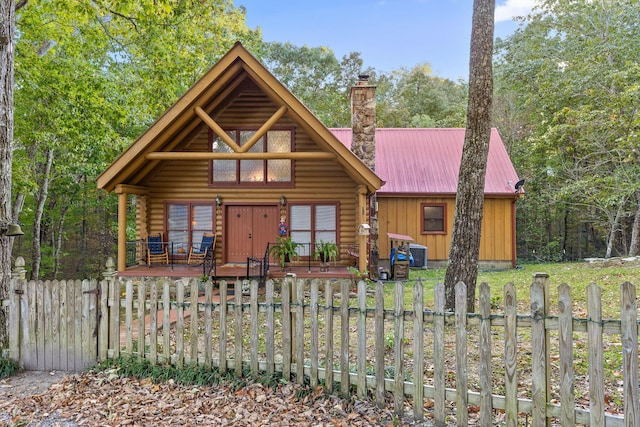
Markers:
(389, 34)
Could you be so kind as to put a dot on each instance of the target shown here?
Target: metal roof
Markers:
(427, 161)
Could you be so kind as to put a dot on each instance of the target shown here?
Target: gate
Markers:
(53, 325)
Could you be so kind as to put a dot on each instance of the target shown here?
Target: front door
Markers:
(248, 231)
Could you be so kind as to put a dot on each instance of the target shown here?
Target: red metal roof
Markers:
(420, 161)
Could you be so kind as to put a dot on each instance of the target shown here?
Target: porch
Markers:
(239, 271)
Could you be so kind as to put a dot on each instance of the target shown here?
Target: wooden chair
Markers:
(156, 249)
(199, 253)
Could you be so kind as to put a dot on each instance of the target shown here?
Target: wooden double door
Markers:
(248, 230)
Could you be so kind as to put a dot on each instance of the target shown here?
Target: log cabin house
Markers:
(240, 156)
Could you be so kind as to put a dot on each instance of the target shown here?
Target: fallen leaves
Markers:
(101, 398)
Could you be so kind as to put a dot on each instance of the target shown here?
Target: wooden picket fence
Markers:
(494, 367)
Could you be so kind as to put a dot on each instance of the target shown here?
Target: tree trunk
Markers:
(41, 200)
(7, 30)
(634, 247)
(465, 237)
(615, 224)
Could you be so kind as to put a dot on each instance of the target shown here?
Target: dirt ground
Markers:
(27, 383)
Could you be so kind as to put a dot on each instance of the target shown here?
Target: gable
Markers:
(234, 77)
(427, 161)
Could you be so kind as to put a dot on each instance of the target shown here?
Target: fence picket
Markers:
(166, 321)
(46, 336)
(88, 323)
(315, 327)
(142, 298)
(418, 350)
(398, 347)
(41, 316)
(237, 318)
(55, 324)
(208, 323)
(328, 324)
(594, 334)
(15, 290)
(486, 376)
(193, 321)
(361, 352)
(286, 328)
(299, 331)
(64, 325)
(253, 314)
(78, 359)
(103, 319)
(344, 337)
(153, 323)
(270, 329)
(224, 306)
(114, 316)
(128, 310)
(379, 344)
(538, 351)
(510, 356)
(438, 356)
(462, 399)
(179, 355)
(629, 325)
(567, 399)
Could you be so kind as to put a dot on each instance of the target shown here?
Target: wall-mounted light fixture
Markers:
(218, 200)
(11, 230)
(283, 202)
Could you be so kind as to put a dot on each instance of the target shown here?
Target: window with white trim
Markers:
(311, 223)
(186, 223)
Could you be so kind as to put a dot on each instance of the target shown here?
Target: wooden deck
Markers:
(234, 271)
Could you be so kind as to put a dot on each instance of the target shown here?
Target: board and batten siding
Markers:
(402, 215)
(314, 180)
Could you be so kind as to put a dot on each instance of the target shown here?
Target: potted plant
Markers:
(285, 250)
(325, 252)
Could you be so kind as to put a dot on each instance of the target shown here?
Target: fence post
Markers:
(106, 287)
(629, 320)
(15, 324)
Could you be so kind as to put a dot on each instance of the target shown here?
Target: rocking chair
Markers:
(156, 249)
(198, 254)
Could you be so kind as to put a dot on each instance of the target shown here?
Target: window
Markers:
(186, 223)
(433, 218)
(312, 223)
(253, 172)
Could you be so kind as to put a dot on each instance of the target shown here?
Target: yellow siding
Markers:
(402, 215)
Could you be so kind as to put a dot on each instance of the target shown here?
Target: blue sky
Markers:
(389, 34)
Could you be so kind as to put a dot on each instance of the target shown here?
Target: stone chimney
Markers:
(363, 145)
(363, 121)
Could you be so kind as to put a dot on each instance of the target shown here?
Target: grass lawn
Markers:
(608, 275)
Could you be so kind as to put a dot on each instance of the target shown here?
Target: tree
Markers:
(465, 238)
(571, 76)
(87, 87)
(7, 32)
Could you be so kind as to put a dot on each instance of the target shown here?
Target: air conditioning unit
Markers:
(419, 254)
